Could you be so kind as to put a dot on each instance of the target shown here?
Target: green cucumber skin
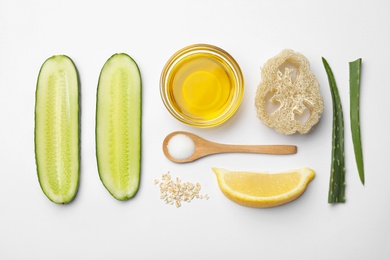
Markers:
(40, 159)
(337, 179)
(102, 153)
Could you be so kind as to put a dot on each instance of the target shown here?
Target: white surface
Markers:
(96, 226)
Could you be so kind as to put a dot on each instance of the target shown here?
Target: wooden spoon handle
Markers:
(263, 149)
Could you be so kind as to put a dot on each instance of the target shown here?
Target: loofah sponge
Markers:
(288, 97)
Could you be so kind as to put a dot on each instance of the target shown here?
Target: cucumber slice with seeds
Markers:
(57, 146)
(118, 126)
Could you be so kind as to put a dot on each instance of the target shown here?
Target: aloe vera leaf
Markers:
(337, 177)
(354, 93)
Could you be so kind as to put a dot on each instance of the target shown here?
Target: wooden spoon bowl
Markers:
(204, 147)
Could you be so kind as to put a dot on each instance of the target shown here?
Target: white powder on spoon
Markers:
(181, 146)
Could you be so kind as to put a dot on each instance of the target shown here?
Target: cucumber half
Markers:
(57, 135)
(118, 126)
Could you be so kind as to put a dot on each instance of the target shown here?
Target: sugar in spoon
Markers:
(197, 147)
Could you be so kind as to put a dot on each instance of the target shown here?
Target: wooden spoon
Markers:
(204, 147)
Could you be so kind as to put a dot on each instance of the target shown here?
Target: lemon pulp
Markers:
(202, 86)
(276, 184)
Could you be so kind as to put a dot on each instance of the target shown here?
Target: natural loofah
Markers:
(288, 84)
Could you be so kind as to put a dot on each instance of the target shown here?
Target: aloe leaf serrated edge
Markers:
(337, 177)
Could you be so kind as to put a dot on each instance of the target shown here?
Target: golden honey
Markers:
(202, 85)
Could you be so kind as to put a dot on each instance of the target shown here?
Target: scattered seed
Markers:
(174, 192)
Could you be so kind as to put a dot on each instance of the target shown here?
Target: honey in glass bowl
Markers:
(202, 85)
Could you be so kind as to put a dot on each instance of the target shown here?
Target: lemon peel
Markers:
(263, 190)
(288, 97)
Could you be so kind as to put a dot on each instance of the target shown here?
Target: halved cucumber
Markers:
(118, 126)
(57, 146)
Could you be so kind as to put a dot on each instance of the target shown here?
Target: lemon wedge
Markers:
(263, 190)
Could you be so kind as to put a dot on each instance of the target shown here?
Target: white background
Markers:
(96, 226)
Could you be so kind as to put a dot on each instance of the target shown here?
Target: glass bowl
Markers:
(201, 85)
